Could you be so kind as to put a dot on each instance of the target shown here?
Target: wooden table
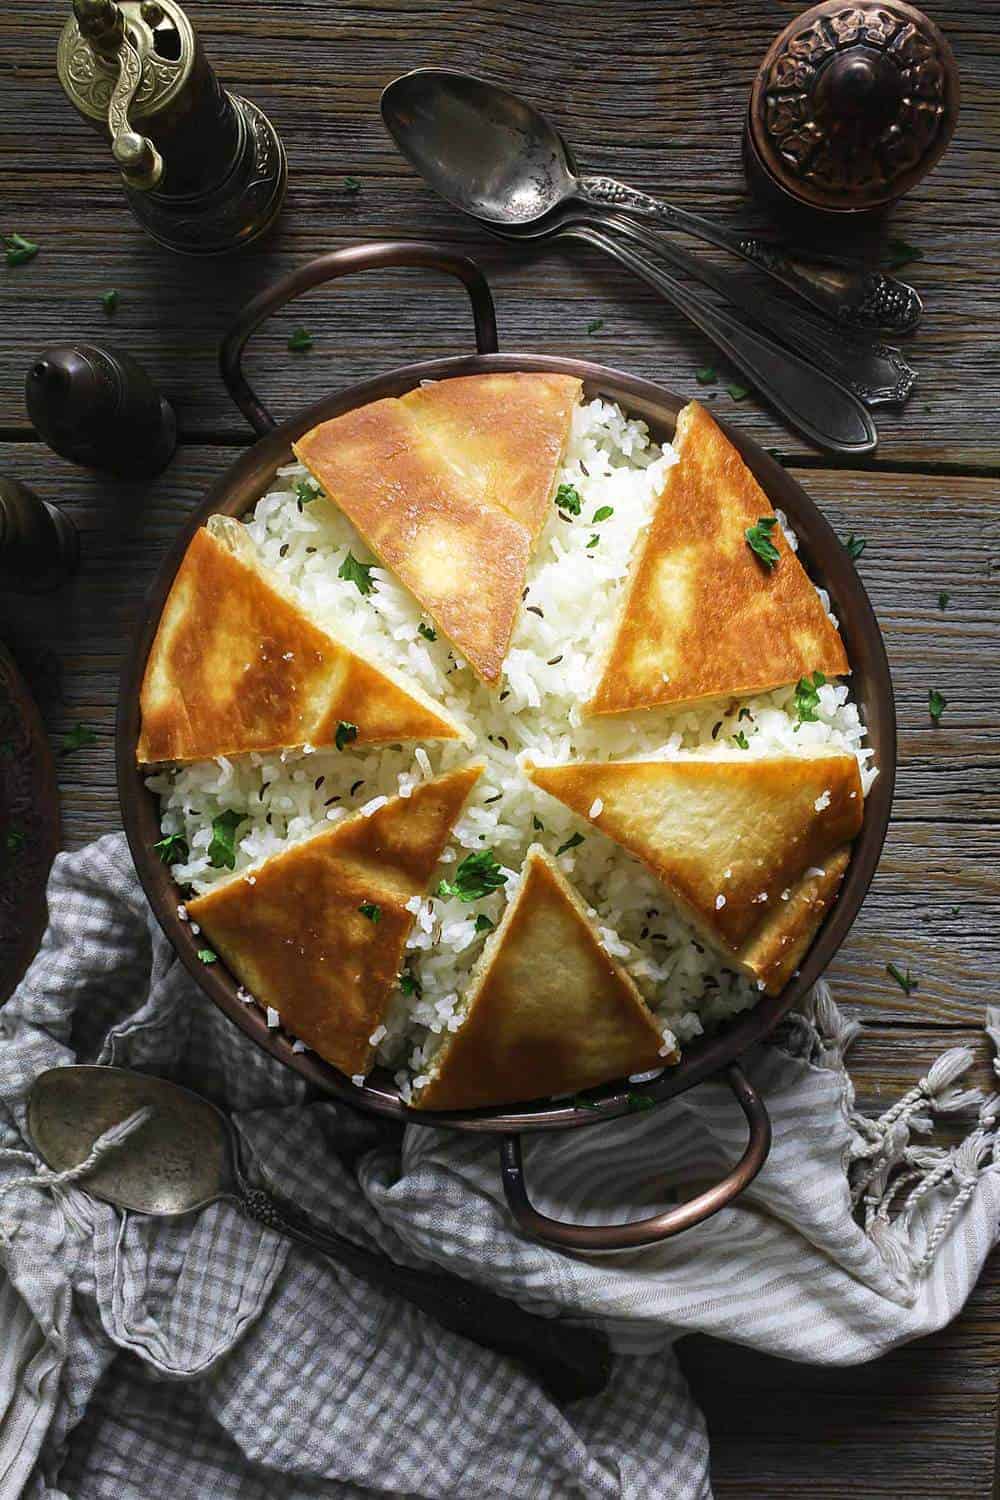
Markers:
(653, 90)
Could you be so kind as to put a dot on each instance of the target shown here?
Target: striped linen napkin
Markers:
(207, 1357)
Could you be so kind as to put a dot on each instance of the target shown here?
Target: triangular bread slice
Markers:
(506, 433)
(318, 932)
(548, 1010)
(236, 665)
(702, 616)
(452, 511)
(751, 850)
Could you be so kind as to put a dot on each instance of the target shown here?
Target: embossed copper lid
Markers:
(852, 105)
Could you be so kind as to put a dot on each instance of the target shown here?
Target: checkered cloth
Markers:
(207, 1357)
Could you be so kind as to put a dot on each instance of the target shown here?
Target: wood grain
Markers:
(654, 94)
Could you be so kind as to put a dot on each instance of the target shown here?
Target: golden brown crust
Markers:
(293, 932)
(237, 666)
(549, 1011)
(702, 617)
(777, 948)
(730, 839)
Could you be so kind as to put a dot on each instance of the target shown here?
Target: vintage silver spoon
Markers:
(494, 156)
(185, 1155)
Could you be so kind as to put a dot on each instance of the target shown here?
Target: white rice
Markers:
(551, 668)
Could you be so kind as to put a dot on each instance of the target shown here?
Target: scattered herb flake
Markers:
(476, 876)
(222, 849)
(759, 540)
(602, 513)
(936, 705)
(371, 910)
(207, 956)
(707, 375)
(741, 740)
(638, 1102)
(568, 499)
(409, 983)
(352, 185)
(427, 631)
(855, 545)
(573, 842)
(738, 392)
(15, 840)
(593, 541)
(172, 849)
(304, 492)
(899, 253)
(79, 736)
(744, 713)
(300, 341)
(19, 250)
(358, 573)
(595, 324)
(943, 598)
(346, 734)
(7, 749)
(906, 981)
(579, 1102)
(483, 923)
(109, 301)
(807, 697)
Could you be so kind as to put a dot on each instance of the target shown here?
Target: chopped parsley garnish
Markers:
(593, 541)
(638, 1102)
(943, 600)
(476, 876)
(573, 842)
(15, 840)
(568, 499)
(352, 185)
(18, 249)
(807, 697)
(346, 734)
(109, 301)
(906, 981)
(936, 705)
(483, 923)
(741, 740)
(759, 540)
(304, 492)
(855, 545)
(744, 713)
(427, 631)
(899, 253)
(371, 910)
(300, 341)
(707, 375)
(77, 737)
(172, 848)
(409, 983)
(738, 392)
(7, 749)
(537, 825)
(358, 573)
(595, 324)
(207, 956)
(602, 513)
(222, 849)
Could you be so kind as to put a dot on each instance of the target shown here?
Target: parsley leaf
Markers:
(759, 540)
(593, 541)
(172, 848)
(741, 740)
(371, 910)
(77, 737)
(304, 492)
(352, 184)
(483, 923)
(109, 301)
(706, 375)
(568, 499)
(19, 250)
(807, 697)
(595, 324)
(207, 956)
(7, 749)
(427, 631)
(409, 983)
(638, 1102)
(358, 573)
(738, 392)
(15, 840)
(906, 981)
(744, 713)
(936, 705)
(222, 849)
(300, 341)
(346, 734)
(943, 600)
(855, 545)
(899, 253)
(476, 876)
(602, 513)
(574, 840)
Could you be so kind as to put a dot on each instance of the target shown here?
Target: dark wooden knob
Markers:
(39, 545)
(96, 406)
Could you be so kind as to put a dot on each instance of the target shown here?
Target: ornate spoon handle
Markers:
(852, 296)
(569, 1360)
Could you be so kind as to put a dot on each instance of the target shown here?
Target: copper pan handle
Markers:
(328, 268)
(597, 1237)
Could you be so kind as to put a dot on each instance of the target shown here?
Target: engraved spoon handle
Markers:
(819, 407)
(877, 373)
(852, 296)
(570, 1361)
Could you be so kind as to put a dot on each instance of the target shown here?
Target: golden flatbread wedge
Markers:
(236, 665)
(319, 931)
(548, 1010)
(506, 434)
(751, 850)
(702, 617)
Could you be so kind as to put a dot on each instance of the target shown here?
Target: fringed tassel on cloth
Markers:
(891, 1177)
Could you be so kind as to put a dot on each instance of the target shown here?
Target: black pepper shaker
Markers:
(95, 405)
(39, 546)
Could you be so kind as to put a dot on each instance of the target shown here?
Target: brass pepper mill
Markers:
(204, 170)
(39, 546)
(850, 108)
(95, 405)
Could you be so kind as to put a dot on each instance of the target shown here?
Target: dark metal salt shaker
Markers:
(96, 406)
(39, 546)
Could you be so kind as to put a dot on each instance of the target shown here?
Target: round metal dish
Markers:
(828, 562)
